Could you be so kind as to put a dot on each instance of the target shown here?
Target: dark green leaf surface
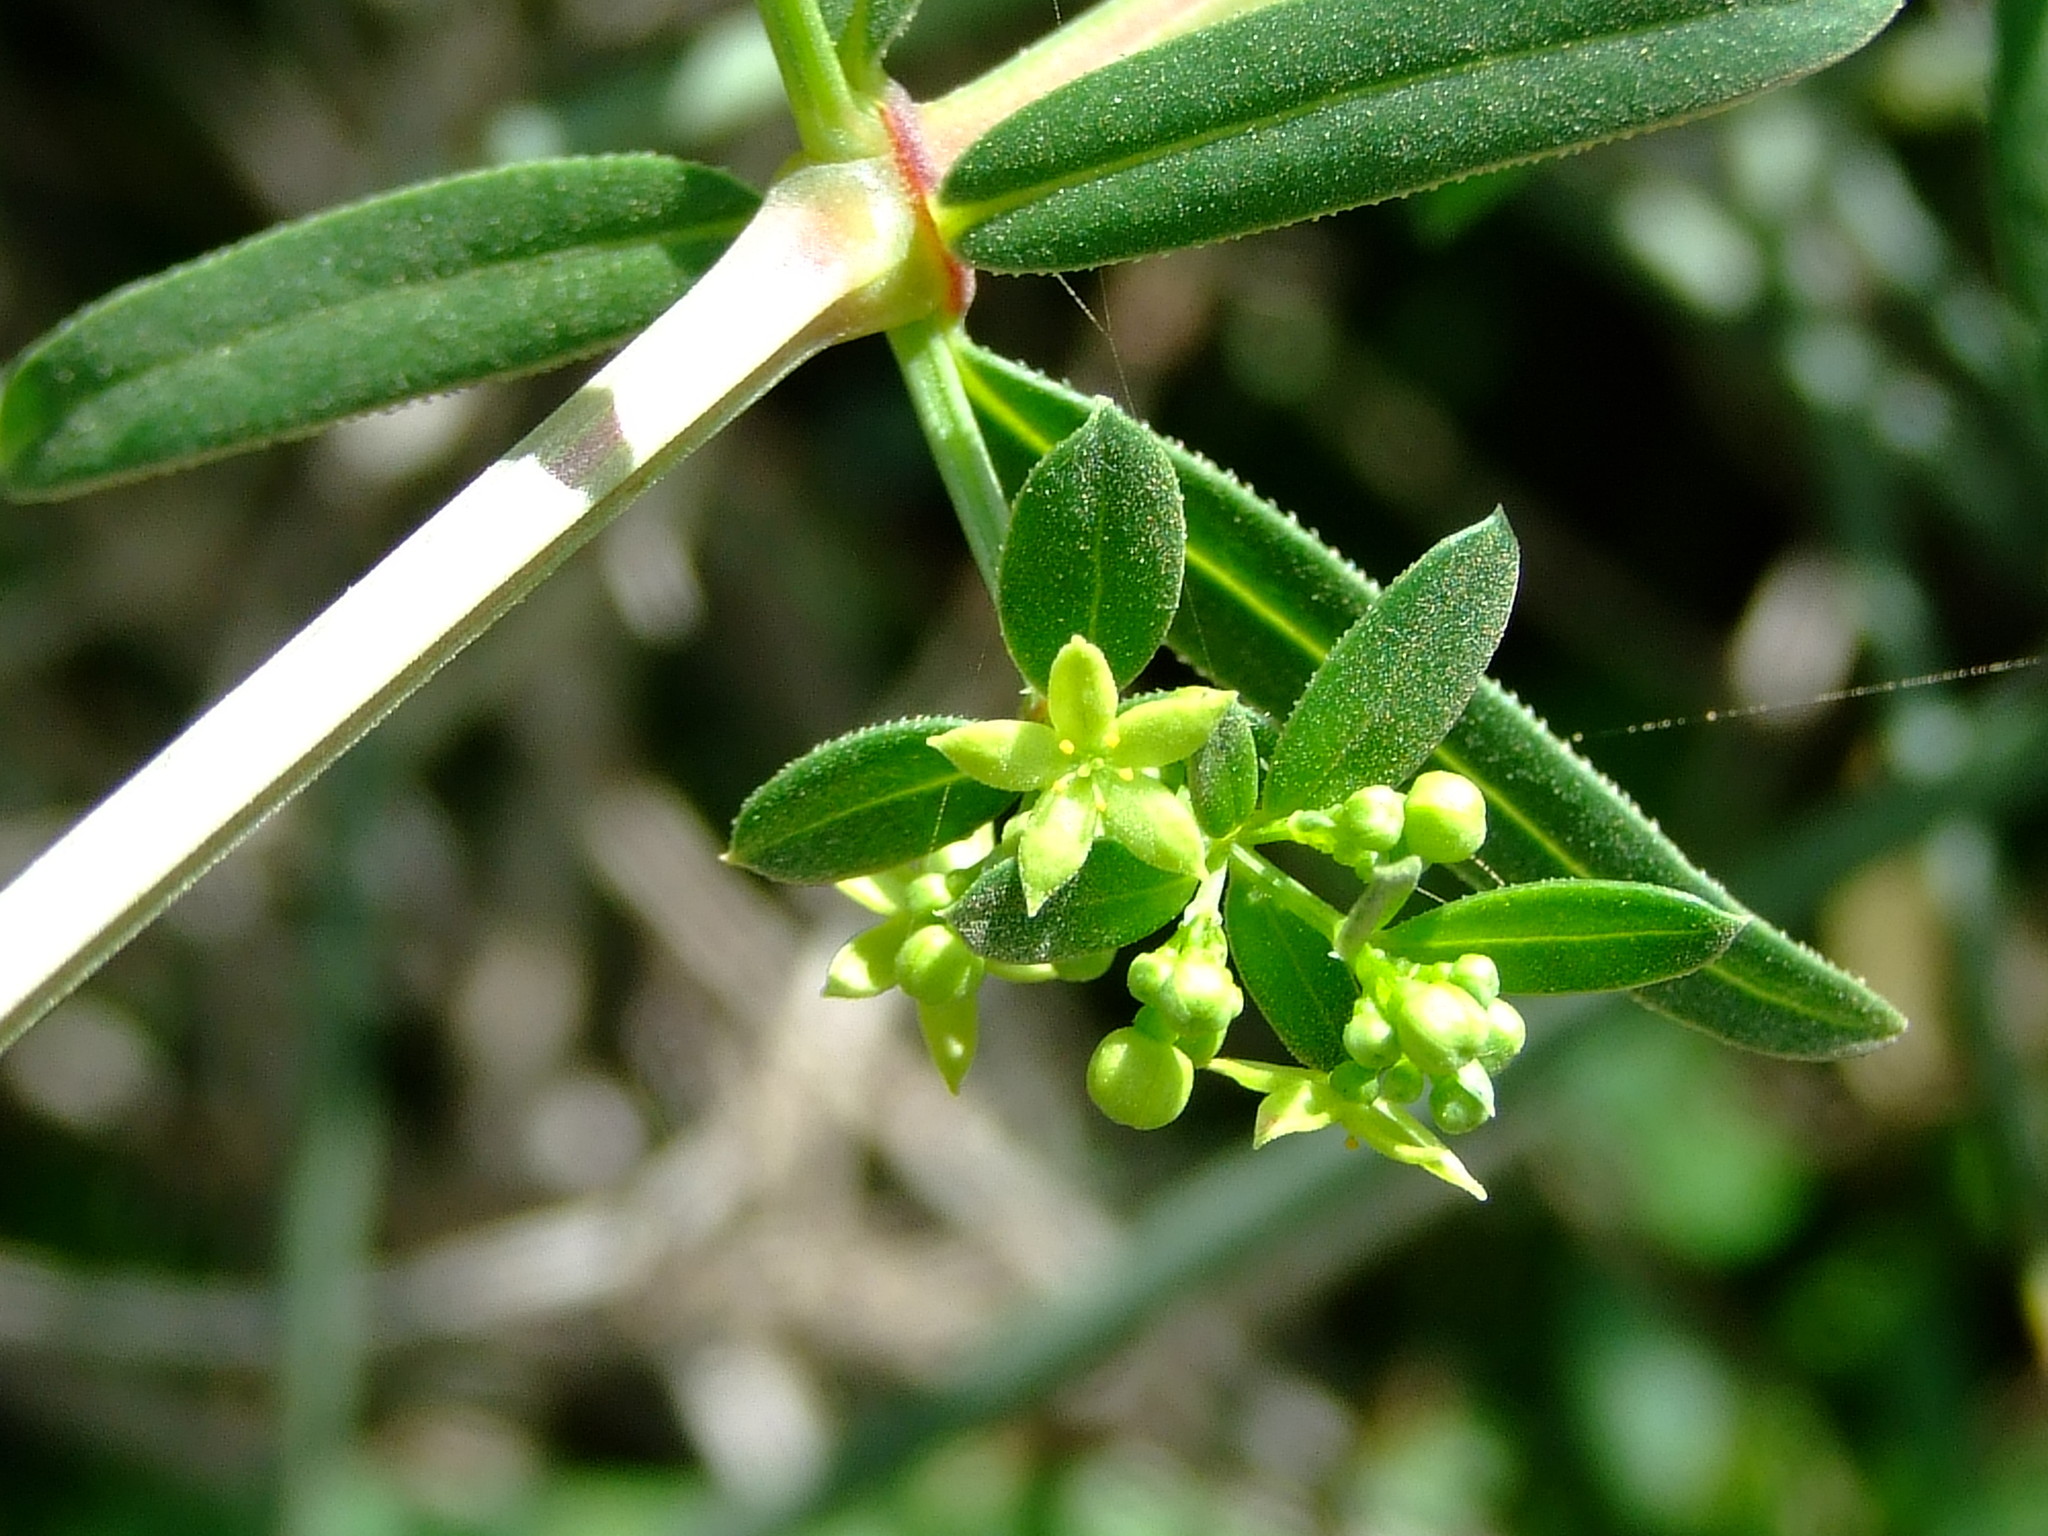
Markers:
(407, 294)
(1223, 778)
(1094, 549)
(864, 31)
(1307, 107)
(867, 801)
(1400, 677)
(1572, 935)
(1265, 600)
(2019, 142)
(1305, 992)
(1114, 900)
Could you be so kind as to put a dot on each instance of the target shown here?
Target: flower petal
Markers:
(1153, 822)
(1155, 732)
(1058, 832)
(1080, 696)
(1008, 754)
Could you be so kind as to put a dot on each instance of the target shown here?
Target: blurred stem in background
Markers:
(334, 1191)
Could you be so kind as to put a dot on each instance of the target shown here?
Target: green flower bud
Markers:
(1351, 1081)
(1080, 697)
(1478, 975)
(1312, 829)
(1151, 973)
(1084, 967)
(866, 964)
(1200, 1046)
(951, 1031)
(1440, 1026)
(1506, 1033)
(1369, 1039)
(1169, 729)
(1402, 1083)
(1446, 818)
(1462, 1102)
(934, 965)
(1202, 995)
(1139, 1081)
(1369, 822)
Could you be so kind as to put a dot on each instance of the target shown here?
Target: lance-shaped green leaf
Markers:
(866, 801)
(1263, 603)
(1095, 549)
(1302, 108)
(407, 294)
(1305, 992)
(1114, 900)
(864, 31)
(1400, 677)
(1572, 935)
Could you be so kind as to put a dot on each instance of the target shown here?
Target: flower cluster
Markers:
(1096, 770)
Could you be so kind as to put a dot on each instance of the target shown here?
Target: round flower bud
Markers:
(1439, 1025)
(1446, 818)
(1402, 1083)
(1351, 1081)
(1479, 976)
(1506, 1033)
(1462, 1102)
(1369, 1039)
(936, 966)
(1368, 822)
(1139, 1081)
(1149, 974)
(1203, 995)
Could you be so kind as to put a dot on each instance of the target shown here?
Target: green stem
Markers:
(831, 121)
(1288, 891)
(334, 1193)
(924, 351)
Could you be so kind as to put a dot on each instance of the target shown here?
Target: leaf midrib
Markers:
(426, 286)
(974, 215)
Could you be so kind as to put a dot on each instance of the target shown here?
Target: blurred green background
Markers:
(470, 1152)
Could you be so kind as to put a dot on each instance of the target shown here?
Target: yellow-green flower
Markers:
(1096, 770)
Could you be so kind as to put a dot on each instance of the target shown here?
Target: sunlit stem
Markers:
(832, 254)
(1289, 892)
(924, 352)
(829, 118)
(1108, 32)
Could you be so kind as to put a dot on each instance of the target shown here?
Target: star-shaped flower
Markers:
(1298, 1099)
(1096, 770)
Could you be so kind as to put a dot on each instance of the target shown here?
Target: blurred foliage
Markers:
(467, 1153)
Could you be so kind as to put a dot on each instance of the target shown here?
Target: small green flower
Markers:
(1299, 1099)
(914, 949)
(1095, 769)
